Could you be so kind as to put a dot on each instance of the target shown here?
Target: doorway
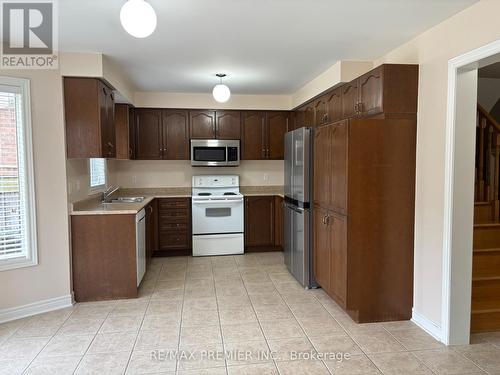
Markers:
(461, 190)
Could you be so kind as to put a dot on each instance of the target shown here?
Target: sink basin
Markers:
(127, 200)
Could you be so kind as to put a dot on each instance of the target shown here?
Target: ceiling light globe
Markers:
(221, 93)
(138, 18)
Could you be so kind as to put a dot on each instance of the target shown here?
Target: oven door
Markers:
(217, 216)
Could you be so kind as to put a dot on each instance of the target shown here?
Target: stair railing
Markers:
(487, 176)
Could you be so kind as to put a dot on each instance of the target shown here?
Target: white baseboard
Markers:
(427, 325)
(34, 308)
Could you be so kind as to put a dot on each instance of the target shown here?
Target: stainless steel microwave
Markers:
(215, 152)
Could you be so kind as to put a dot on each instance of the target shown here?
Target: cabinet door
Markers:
(350, 99)
(371, 92)
(175, 134)
(334, 105)
(131, 129)
(309, 118)
(322, 166)
(321, 249)
(122, 131)
(320, 111)
(228, 124)
(148, 134)
(259, 221)
(253, 135)
(107, 118)
(277, 126)
(338, 170)
(299, 118)
(337, 230)
(202, 124)
(278, 222)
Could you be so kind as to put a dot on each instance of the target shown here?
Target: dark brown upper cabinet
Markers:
(277, 125)
(227, 124)
(123, 126)
(334, 105)
(89, 108)
(263, 134)
(350, 99)
(202, 124)
(253, 133)
(389, 89)
(206, 124)
(162, 134)
(320, 111)
(148, 134)
(175, 131)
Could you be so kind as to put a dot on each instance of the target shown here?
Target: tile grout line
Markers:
(51, 337)
(95, 335)
(300, 325)
(142, 322)
(218, 315)
(256, 316)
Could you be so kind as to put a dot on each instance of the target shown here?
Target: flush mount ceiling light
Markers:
(221, 92)
(138, 18)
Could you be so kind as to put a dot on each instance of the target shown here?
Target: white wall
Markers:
(182, 100)
(165, 173)
(51, 277)
(488, 92)
(467, 30)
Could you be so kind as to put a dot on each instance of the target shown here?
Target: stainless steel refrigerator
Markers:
(298, 205)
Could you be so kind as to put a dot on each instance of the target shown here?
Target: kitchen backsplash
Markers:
(163, 173)
(166, 173)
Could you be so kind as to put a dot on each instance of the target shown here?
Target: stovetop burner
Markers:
(204, 194)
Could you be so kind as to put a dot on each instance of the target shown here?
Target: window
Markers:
(97, 174)
(18, 246)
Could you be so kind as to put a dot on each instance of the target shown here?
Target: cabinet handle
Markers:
(110, 144)
(360, 107)
(356, 107)
(263, 153)
(327, 220)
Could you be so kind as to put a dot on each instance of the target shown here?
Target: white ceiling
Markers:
(265, 46)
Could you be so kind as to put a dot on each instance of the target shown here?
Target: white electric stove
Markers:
(217, 215)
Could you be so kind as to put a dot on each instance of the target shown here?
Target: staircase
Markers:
(486, 243)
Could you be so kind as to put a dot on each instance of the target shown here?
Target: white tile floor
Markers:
(243, 305)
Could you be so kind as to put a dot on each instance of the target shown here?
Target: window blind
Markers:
(14, 232)
(97, 173)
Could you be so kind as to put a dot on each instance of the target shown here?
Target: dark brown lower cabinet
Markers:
(103, 257)
(174, 227)
(260, 224)
(151, 228)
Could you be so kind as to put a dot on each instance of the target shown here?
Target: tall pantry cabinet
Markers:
(364, 196)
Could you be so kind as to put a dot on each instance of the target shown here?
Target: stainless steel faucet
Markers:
(109, 192)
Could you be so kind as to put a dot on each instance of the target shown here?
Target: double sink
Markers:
(125, 200)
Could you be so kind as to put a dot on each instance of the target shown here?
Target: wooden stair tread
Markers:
(486, 278)
(481, 203)
(487, 225)
(490, 250)
(485, 311)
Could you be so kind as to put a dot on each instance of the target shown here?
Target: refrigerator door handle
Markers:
(296, 209)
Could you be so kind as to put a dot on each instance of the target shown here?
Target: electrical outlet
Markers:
(134, 180)
(266, 178)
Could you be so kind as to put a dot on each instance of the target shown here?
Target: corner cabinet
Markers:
(89, 109)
